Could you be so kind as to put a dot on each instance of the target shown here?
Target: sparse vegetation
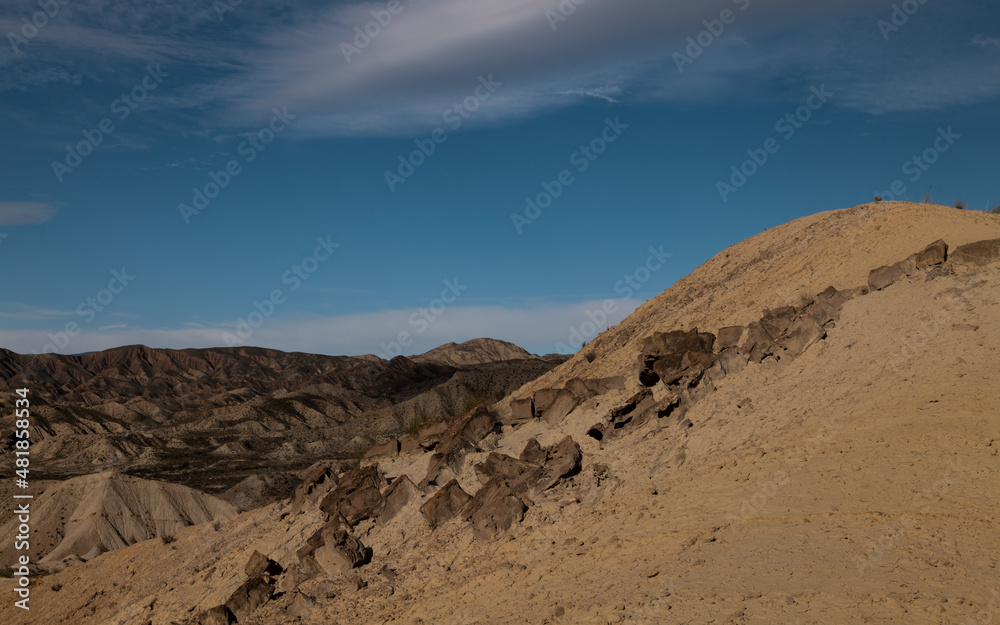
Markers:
(878, 199)
(995, 210)
(590, 355)
(926, 199)
(166, 539)
(418, 421)
(56, 587)
(216, 525)
(478, 398)
(961, 204)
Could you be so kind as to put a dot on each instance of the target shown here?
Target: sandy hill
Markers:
(835, 460)
(89, 515)
(474, 352)
(776, 268)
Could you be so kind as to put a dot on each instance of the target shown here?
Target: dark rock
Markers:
(251, 595)
(319, 482)
(578, 387)
(826, 307)
(301, 606)
(522, 411)
(494, 509)
(543, 399)
(332, 550)
(563, 461)
(729, 337)
(464, 436)
(675, 357)
(259, 565)
(520, 475)
(934, 254)
(563, 404)
(533, 452)
(977, 254)
(882, 277)
(399, 493)
(445, 504)
(356, 496)
(601, 386)
(803, 332)
(732, 360)
(219, 615)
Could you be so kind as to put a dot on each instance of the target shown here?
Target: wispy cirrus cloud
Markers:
(22, 213)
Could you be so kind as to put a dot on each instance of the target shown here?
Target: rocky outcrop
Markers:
(331, 550)
(494, 509)
(357, 495)
(445, 505)
(395, 498)
(553, 404)
(934, 254)
(461, 438)
(978, 254)
(251, 595)
(502, 500)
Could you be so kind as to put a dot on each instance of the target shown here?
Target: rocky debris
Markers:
(675, 358)
(729, 337)
(357, 495)
(331, 550)
(251, 594)
(882, 277)
(934, 254)
(554, 404)
(260, 565)
(782, 332)
(978, 253)
(519, 474)
(399, 493)
(533, 452)
(522, 410)
(317, 483)
(463, 437)
(446, 503)
(501, 501)
(563, 402)
(563, 460)
(219, 615)
(493, 509)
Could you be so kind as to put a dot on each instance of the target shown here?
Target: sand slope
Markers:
(856, 483)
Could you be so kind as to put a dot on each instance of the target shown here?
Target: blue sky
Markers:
(190, 175)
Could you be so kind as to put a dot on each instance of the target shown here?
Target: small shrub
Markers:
(961, 204)
(590, 356)
(878, 199)
(56, 587)
(166, 539)
(996, 209)
(216, 525)
(927, 198)
(478, 398)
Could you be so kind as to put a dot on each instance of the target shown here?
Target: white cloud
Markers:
(540, 327)
(19, 213)
(986, 42)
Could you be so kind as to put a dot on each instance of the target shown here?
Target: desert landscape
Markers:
(802, 430)
(499, 312)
